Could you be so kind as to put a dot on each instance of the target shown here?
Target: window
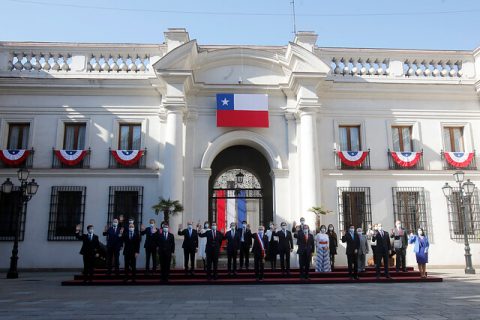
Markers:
(74, 137)
(402, 138)
(9, 212)
(354, 207)
(130, 137)
(67, 209)
(126, 201)
(457, 219)
(18, 135)
(409, 208)
(350, 138)
(453, 139)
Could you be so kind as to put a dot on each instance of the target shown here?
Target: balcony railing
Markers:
(472, 165)
(82, 164)
(27, 163)
(364, 165)
(140, 164)
(406, 162)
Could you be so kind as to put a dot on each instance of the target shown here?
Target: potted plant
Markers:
(319, 211)
(168, 207)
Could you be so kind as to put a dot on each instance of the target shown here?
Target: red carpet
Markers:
(177, 277)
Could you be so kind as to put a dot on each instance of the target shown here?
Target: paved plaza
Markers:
(39, 295)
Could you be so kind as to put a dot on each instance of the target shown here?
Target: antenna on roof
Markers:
(293, 15)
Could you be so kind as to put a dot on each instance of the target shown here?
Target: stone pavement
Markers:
(39, 295)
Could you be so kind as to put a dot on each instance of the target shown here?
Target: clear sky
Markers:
(416, 24)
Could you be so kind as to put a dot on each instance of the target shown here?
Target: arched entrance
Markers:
(232, 200)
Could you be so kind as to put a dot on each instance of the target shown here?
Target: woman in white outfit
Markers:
(202, 244)
(322, 263)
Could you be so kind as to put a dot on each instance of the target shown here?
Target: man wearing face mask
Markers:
(296, 229)
(259, 250)
(306, 247)
(114, 244)
(362, 250)
(245, 244)
(214, 242)
(285, 246)
(190, 246)
(400, 243)
(151, 234)
(353, 243)
(382, 250)
(272, 246)
(233, 244)
(131, 249)
(166, 248)
(89, 250)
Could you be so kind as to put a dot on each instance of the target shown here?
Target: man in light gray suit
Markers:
(362, 250)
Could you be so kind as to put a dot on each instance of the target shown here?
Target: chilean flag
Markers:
(242, 110)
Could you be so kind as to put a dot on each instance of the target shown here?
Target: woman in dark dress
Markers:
(333, 241)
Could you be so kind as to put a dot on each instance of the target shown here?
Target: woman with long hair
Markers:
(333, 244)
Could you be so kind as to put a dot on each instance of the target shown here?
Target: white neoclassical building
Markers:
(339, 120)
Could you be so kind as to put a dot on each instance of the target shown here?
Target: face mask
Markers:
(305, 230)
(284, 227)
(260, 232)
(380, 228)
(302, 221)
(189, 227)
(131, 229)
(152, 225)
(165, 230)
(232, 227)
(322, 230)
(420, 232)
(398, 225)
(330, 228)
(115, 224)
(375, 228)
(206, 225)
(214, 227)
(244, 225)
(359, 233)
(90, 231)
(352, 230)
(271, 226)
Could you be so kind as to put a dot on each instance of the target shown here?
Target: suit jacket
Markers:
(416, 243)
(363, 248)
(247, 236)
(166, 246)
(383, 243)
(131, 246)
(285, 243)
(89, 247)
(257, 246)
(189, 242)
(150, 238)
(305, 245)
(400, 236)
(213, 244)
(352, 243)
(114, 238)
(233, 243)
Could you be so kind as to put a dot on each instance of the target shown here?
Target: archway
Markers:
(252, 199)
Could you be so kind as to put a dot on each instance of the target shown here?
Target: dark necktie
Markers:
(166, 234)
(214, 234)
(131, 235)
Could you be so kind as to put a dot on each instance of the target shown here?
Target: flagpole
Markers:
(293, 15)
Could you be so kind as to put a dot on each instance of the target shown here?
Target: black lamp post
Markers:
(466, 191)
(27, 191)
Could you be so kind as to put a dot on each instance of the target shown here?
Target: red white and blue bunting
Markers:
(14, 157)
(406, 159)
(352, 158)
(459, 159)
(70, 157)
(127, 157)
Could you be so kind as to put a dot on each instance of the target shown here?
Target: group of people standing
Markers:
(263, 245)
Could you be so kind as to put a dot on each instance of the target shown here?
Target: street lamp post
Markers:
(27, 191)
(466, 191)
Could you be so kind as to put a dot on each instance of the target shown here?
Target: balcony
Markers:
(352, 160)
(76, 160)
(459, 160)
(405, 160)
(15, 159)
(127, 159)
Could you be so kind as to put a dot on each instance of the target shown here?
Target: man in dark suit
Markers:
(190, 245)
(151, 234)
(131, 249)
(245, 244)
(306, 247)
(382, 250)
(285, 246)
(166, 248)
(233, 244)
(259, 250)
(353, 244)
(114, 245)
(212, 249)
(89, 251)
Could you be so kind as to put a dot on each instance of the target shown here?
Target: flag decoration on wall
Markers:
(459, 159)
(406, 159)
(242, 110)
(14, 157)
(127, 157)
(70, 157)
(352, 158)
(230, 208)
